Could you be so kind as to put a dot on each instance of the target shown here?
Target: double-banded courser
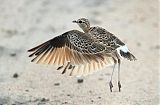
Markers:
(81, 53)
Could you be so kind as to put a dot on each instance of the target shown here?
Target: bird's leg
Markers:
(110, 83)
(119, 84)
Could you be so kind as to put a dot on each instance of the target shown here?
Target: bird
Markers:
(83, 52)
(116, 48)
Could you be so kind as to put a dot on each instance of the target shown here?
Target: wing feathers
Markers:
(91, 67)
(37, 47)
(60, 56)
(84, 57)
(56, 56)
(63, 56)
(48, 56)
(43, 56)
(52, 56)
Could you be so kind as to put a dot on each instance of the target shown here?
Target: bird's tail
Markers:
(125, 53)
(128, 55)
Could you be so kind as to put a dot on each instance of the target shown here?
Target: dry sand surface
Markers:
(27, 23)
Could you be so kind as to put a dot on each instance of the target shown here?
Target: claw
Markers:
(111, 86)
(119, 86)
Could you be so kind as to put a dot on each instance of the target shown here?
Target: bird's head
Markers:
(83, 24)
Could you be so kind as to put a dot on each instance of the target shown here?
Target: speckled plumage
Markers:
(71, 49)
(81, 53)
(102, 36)
(114, 47)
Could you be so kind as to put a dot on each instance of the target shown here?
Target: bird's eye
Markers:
(80, 21)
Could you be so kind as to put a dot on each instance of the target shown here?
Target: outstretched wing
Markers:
(89, 68)
(106, 38)
(73, 46)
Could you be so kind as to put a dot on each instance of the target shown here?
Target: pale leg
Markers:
(110, 83)
(119, 84)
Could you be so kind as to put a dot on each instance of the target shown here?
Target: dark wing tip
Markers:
(35, 48)
(30, 50)
(44, 48)
(31, 55)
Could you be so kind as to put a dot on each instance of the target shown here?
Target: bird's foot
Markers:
(110, 85)
(119, 86)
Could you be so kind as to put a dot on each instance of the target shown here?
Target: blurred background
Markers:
(27, 23)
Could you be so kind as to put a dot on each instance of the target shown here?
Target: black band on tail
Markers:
(128, 55)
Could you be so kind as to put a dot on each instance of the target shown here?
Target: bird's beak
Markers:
(74, 21)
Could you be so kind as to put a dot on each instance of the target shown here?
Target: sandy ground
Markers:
(27, 23)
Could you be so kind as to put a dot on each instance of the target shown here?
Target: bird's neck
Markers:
(85, 30)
